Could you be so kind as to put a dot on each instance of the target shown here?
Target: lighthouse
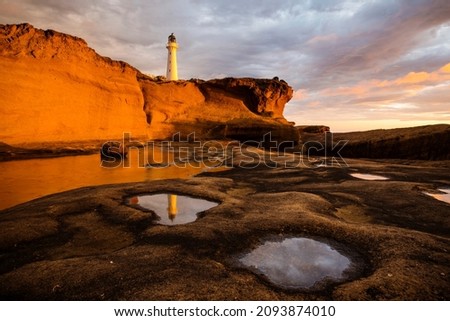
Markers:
(172, 209)
(172, 69)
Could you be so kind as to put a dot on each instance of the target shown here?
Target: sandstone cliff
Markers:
(243, 109)
(54, 88)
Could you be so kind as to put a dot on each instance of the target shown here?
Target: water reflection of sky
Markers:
(173, 209)
(297, 262)
(369, 177)
(25, 180)
(444, 196)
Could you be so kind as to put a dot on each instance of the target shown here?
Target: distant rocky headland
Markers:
(55, 88)
(423, 142)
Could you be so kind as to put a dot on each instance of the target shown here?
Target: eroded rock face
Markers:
(55, 88)
(261, 96)
(244, 109)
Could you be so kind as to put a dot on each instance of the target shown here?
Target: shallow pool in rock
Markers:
(172, 209)
(369, 177)
(298, 263)
(444, 196)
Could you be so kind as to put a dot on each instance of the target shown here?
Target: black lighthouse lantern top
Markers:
(172, 38)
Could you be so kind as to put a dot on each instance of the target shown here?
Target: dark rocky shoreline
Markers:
(431, 142)
(10, 153)
(89, 244)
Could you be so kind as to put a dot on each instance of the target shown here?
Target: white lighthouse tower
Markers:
(172, 69)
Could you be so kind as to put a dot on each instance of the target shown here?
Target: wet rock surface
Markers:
(90, 244)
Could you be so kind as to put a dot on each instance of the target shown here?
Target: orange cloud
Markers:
(314, 104)
(322, 38)
(413, 78)
(445, 69)
(410, 97)
(300, 94)
(409, 84)
(357, 90)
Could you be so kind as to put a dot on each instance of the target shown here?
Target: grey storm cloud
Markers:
(248, 38)
(313, 45)
(378, 34)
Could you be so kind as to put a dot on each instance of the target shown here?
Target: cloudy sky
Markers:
(354, 65)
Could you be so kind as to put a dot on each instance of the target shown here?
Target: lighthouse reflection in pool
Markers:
(173, 209)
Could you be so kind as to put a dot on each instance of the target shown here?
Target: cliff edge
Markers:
(54, 88)
(244, 109)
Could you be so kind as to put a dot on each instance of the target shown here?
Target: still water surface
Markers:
(25, 180)
(173, 209)
(369, 177)
(444, 196)
(297, 262)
